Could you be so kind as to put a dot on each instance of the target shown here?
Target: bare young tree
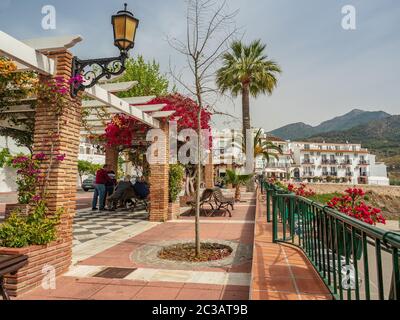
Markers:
(209, 30)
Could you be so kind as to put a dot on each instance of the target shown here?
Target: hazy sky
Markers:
(327, 70)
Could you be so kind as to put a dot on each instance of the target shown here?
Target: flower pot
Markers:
(21, 209)
(174, 210)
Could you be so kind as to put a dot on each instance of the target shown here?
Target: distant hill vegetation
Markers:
(382, 136)
(350, 120)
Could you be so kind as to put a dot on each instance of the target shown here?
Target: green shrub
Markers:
(324, 198)
(36, 229)
(14, 233)
(176, 174)
(316, 179)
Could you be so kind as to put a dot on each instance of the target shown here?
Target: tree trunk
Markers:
(237, 194)
(198, 184)
(246, 124)
(246, 110)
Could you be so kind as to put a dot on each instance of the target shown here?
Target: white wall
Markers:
(7, 180)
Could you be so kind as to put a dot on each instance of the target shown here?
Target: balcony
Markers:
(278, 165)
(308, 162)
(329, 161)
(346, 162)
(349, 174)
(363, 163)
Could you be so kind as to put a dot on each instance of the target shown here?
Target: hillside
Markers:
(350, 120)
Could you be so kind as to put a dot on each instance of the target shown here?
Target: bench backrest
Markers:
(206, 195)
(218, 194)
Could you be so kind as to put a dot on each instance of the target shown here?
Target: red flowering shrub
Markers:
(352, 205)
(120, 131)
(301, 191)
(186, 111)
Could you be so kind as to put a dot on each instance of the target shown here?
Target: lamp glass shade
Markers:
(125, 26)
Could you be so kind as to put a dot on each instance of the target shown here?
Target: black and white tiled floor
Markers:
(89, 225)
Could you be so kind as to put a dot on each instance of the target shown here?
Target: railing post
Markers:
(275, 218)
(268, 190)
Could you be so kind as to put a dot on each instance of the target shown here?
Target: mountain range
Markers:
(378, 131)
(350, 120)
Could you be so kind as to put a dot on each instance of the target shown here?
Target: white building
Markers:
(326, 162)
(337, 162)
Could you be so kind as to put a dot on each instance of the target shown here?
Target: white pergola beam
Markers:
(25, 55)
(132, 100)
(19, 109)
(53, 43)
(139, 100)
(151, 107)
(118, 86)
(110, 100)
(162, 114)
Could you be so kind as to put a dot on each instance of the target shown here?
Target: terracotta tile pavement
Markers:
(69, 288)
(280, 271)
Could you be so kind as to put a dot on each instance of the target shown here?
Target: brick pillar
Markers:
(158, 180)
(209, 173)
(112, 158)
(61, 190)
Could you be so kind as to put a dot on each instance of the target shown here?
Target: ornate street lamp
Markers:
(92, 70)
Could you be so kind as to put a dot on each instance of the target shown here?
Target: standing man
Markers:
(102, 179)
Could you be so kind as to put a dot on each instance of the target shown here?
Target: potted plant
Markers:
(237, 180)
(176, 174)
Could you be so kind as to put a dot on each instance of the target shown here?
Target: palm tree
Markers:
(247, 70)
(265, 148)
(237, 180)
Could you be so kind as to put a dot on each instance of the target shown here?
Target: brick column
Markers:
(209, 173)
(112, 158)
(61, 190)
(158, 180)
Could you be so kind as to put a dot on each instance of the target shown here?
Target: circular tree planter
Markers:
(186, 252)
(149, 254)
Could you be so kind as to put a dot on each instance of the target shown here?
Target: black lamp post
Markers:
(92, 70)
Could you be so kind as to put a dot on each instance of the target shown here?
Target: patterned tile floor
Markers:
(89, 225)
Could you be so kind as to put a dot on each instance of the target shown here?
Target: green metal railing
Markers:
(355, 260)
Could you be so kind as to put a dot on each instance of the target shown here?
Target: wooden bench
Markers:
(10, 264)
(206, 198)
(223, 202)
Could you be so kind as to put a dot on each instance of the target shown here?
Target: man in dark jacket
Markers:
(102, 179)
(141, 188)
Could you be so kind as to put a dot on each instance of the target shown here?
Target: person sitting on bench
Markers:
(141, 188)
(119, 192)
